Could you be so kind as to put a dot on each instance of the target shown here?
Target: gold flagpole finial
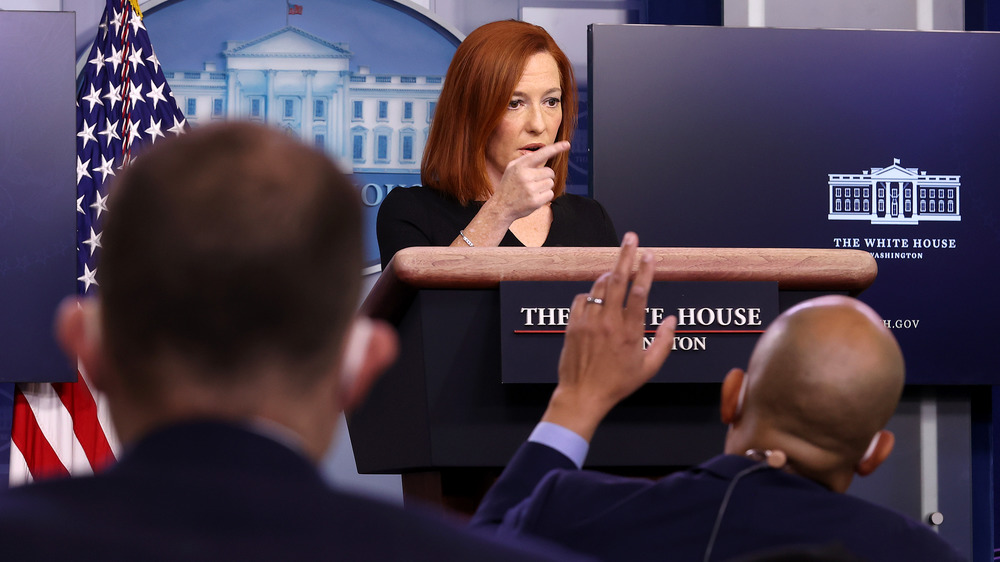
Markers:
(135, 6)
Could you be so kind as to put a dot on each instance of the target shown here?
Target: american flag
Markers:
(123, 105)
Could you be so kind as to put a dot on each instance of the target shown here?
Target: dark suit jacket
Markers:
(210, 491)
(615, 518)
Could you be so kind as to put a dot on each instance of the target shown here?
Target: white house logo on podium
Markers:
(894, 195)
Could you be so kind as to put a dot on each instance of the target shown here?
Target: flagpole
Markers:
(288, 9)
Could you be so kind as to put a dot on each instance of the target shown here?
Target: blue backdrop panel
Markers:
(884, 141)
(37, 190)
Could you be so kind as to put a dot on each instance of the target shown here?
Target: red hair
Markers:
(480, 81)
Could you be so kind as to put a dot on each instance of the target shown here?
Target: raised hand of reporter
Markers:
(603, 359)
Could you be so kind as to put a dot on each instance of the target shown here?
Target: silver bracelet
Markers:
(466, 238)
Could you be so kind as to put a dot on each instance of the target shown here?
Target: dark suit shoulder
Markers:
(215, 492)
(567, 499)
(637, 519)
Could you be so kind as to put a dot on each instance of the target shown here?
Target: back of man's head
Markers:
(224, 249)
(822, 382)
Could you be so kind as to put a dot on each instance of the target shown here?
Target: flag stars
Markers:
(135, 93)
(156, 94)
(81, 169)
(136, 22)
(98, 61)
(79, 203)
(105, 169)
(134, 132)
(154, 130)
(94, 97)
(151, 59)
(94, 241)
(87, 134)
(114, 96)
(115, 59)
(88, 278)
(100, 204)
(116, 20)
(178, 128)
(136, 58)
(110, 131)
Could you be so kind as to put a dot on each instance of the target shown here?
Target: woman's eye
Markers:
(514, 104)
(552, 102)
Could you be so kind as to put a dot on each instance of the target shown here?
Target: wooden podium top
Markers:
(481, 268)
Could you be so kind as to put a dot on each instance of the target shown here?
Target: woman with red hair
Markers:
(495, 164)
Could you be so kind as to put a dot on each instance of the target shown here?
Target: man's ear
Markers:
(78, 332)
(878, 450)
(372, 345)
(734, 389)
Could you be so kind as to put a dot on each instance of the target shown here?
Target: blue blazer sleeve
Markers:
(523, 473)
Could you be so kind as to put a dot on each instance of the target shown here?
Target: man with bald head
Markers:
(823, 381)
(806, 416)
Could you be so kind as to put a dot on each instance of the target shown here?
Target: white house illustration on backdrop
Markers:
(894, 195)
(295, 80)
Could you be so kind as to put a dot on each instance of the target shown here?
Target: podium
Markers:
(441, 417)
